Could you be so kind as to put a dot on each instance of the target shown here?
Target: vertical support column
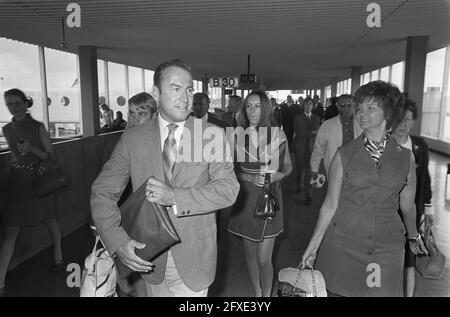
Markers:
(356, 79)
(390, 73)
(445, 98)
(89, 90)
(205, 84)
(143, 79)
(414, 75)
(333, 87)
(44, 93)
(127, 83)
(222, 89)
(105, 66)
(322, 96)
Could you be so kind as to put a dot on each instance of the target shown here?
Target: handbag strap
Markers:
(267, 182)
(94, 249)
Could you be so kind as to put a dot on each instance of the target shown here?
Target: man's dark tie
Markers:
(169, 153)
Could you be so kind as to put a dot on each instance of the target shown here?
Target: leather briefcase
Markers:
(148, 223)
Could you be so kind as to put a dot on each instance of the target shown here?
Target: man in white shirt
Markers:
(334, 133)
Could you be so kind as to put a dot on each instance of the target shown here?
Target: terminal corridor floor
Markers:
(33, 277)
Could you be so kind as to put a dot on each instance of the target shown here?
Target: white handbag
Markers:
(298, 282)
(99, 274)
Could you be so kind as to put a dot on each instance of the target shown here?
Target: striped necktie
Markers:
(169, 153)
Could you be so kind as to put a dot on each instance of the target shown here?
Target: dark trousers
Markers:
(302, 161)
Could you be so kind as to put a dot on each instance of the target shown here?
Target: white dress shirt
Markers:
(205, 117)
(408, 144)
(164, 132)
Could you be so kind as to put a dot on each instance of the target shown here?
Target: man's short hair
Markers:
(161, 67)
(144, 101)
(344, 97)
(307, 99)
(234, 103)
(202, 95)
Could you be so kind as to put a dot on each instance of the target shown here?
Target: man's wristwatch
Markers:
(414, 239)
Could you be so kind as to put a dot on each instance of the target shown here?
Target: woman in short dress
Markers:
(260, 147)
(30, 145)
(359, 231)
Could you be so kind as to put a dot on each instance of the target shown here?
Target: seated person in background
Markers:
(119, 123)
(103, 107)
(141, 108)
(108, 116)
(200, 109)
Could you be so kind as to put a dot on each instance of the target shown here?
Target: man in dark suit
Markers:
(288, 111)
(191, 188)
(233, 107)
(306, 125)
(276, 111)
(200, 107)
(329, 111)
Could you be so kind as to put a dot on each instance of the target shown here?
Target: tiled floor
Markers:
(33, 277)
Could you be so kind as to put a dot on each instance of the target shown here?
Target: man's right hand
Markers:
(314, 176)
(129, 258)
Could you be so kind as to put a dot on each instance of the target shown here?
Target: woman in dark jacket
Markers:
(423, 192)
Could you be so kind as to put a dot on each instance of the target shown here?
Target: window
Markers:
(366, 78)
(445, 124)
(374, 75)
(197, 86)
(216, 97)
(328, 91)
(433, 119)
(148, 80)
(63, 93)
(384, 73)
(117, 87)
(19, 68)
(397, 75)
(101, 82)
(135, 83)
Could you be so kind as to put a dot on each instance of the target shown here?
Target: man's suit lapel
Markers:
(155, 152)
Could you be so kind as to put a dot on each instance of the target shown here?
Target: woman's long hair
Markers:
(267, 119)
